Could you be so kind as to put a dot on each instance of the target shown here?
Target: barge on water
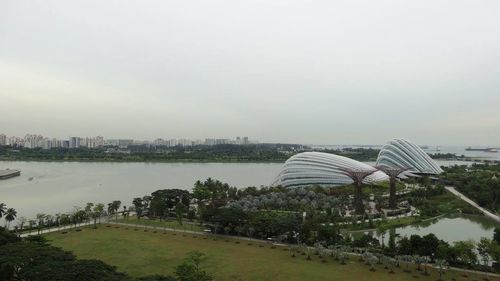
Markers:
(5, 174)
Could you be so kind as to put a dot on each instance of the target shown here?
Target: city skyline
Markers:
(39, 141)
(289, 72)
(6, 139)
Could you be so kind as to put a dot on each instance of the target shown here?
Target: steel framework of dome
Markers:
(401, 153)
(309, 168)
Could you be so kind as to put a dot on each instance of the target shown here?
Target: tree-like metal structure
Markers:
(393, 173)
(357, 177)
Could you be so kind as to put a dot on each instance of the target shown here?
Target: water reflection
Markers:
(449, 228)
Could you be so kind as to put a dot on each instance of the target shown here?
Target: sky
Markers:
(313, 72)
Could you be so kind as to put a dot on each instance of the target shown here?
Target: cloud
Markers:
(323, 72)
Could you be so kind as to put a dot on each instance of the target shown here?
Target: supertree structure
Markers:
(393, 173)
(357, 176)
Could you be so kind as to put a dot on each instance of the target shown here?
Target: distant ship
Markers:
(494, 150)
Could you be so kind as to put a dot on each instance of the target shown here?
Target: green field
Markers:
(142, 253)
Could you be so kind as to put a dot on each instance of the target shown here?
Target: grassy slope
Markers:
(141, 253)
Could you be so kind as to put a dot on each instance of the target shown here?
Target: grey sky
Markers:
(324, 72)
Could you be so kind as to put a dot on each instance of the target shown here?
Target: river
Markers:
(56, 187)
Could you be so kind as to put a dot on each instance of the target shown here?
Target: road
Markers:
(472, 203)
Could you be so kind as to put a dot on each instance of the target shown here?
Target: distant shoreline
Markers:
(145, 161)
(465, 160)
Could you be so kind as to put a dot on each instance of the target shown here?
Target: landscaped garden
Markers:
(141, 253)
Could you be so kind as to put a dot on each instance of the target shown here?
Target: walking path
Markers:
(55, 229)
(472, 203)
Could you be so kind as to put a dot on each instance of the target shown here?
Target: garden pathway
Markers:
(472, 203)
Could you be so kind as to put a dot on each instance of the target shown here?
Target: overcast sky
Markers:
(318, 72)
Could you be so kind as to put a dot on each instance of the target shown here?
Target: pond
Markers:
(451, 228)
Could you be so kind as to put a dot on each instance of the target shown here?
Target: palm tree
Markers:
(58, 219)
(113, 208)
(21, 222)
(116, 207)
(65, 219)
(31, 224)
(442, 265)
(49, 220)
(3, 208)
(125, 213)
(110, 210)
(99, 209)
(88, 210)
(95, 215)
(40, 218)
(10, 215)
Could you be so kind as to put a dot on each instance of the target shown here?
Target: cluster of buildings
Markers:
(208, 141)
(39, 141)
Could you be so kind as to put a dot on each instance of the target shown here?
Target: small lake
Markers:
(450, 228)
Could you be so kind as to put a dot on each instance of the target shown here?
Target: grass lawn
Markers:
(142, 253)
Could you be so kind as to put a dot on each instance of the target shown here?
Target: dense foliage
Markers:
(291, 200)
(480, 182)
(222, 153)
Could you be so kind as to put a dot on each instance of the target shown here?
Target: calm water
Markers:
(52, 187)
(450, 229)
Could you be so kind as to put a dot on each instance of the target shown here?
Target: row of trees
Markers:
(9, 214)
(91, 212)
(343, 253)
(227, 152)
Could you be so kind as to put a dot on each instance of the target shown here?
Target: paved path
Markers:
(472, 203)
(55, 229)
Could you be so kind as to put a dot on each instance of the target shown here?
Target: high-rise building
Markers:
(209, 141)
(74, 142)
(99, 141)
(125, 142)
(3, 139)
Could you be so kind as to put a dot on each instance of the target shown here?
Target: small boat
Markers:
(30, 178)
